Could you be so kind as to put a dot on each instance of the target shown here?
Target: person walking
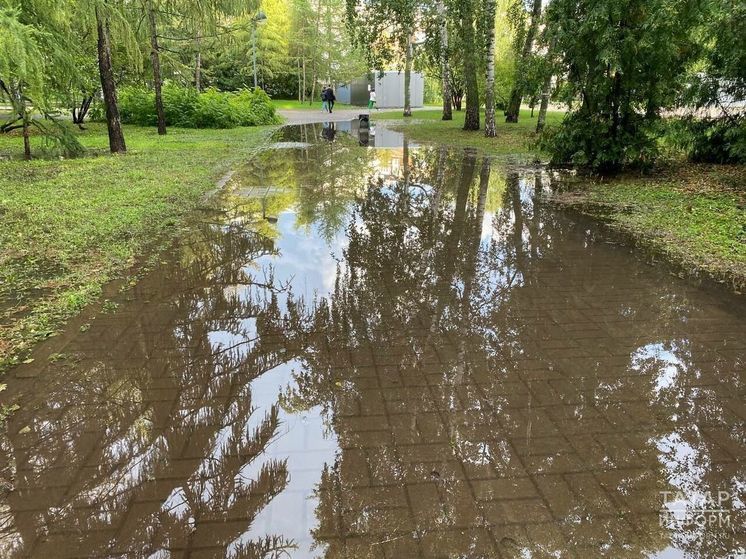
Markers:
(330, 98)
(325, 100)
(372, 100)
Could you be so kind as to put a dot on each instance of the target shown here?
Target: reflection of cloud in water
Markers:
(668, 365)
(305, 254)
(305, 442)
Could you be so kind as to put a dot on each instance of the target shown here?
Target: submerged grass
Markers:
(69, 226)
(517, 139)
(694, 216)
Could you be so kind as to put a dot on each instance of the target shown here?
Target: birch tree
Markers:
(490, 7)
(514, 105)
(465, 12)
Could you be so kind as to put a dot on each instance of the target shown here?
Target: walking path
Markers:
(306, 116)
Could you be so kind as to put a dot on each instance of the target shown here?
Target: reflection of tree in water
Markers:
(491, 387)
(323, 178)
(470, 341)
(152, 442)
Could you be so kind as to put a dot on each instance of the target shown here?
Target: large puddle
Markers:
(379, 350)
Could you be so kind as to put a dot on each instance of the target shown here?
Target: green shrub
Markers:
(185, 108)
(137, 106)
(178, 104)
(711, 140)
(591, 141)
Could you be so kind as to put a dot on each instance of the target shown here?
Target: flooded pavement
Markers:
(384, 351)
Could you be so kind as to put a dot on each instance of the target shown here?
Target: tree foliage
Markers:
(624, 61)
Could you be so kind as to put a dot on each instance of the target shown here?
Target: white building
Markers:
(389, 89)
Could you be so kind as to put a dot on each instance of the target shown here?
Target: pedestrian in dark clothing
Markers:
(331, 98)
(329, 131)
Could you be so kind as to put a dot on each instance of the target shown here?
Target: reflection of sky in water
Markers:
(307, 262)
(304, 442)
(668, 364)
(685, 464)
(305, 258)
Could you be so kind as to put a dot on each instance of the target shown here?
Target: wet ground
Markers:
(384, 351)
(314, 113)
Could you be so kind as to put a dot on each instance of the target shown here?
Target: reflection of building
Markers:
(389, 90)
(378, 136)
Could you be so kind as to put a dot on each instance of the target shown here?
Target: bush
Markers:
(716, 140)
(137, 106)
(185, 108)
(590, 141)
(178, 104)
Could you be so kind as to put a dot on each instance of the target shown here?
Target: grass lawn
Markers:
(68, 226)
(426, 125)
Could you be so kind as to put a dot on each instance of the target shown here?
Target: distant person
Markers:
(372, 100)
(325, 99)
(331, 98)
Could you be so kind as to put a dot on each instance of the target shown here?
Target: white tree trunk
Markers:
(489, 94)
(408, 78)
(545, 92)
(444, 70)
(198, 61)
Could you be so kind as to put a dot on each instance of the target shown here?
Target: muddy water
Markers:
(384, 351)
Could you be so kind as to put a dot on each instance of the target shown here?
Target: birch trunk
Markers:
(444, 70)
(408, 78)
(545, 92)
(304, 78)
(489, 94)
(198, 62)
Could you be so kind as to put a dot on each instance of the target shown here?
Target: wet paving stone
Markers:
(381, 350)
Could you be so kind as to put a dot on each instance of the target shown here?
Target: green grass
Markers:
(426, 125)
(694, 216)
(69, 226)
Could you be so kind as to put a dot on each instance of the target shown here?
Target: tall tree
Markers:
(444, 70)
(624, 61)
(155, 60)
(514, 105)
(465, 11)
(490, 7)
(108, 85)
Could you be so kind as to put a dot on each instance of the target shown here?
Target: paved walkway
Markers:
(305, 116)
